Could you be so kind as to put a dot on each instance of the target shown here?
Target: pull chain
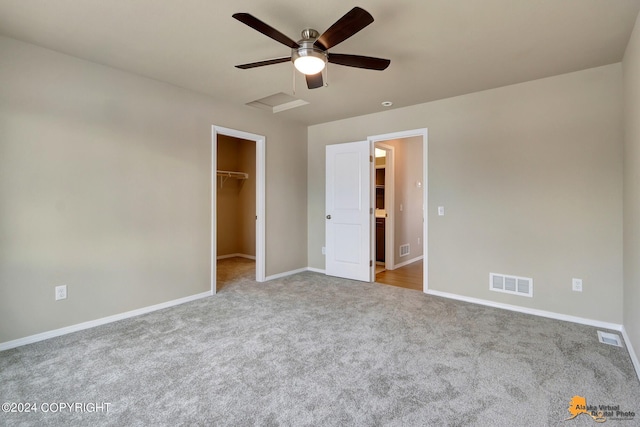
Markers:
(326, 76)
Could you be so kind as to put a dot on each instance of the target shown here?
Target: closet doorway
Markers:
(237, 225)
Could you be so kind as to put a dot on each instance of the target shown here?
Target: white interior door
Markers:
(348, 211)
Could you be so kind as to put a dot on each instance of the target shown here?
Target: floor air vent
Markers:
(404, 250)
(611, 339)
(511, 284)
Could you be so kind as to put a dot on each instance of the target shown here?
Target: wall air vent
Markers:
(515, 285)
(404, 250)
(611, 339)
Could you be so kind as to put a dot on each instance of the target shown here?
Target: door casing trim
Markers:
(260, 141)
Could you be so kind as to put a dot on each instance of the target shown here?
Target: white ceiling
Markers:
(438, 48)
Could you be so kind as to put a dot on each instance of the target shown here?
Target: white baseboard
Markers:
(109, 319)
(292, 272)
(98, 322)
(236, 256)
(550, 315)
(286, 273)
(632, 353)
(411, 261)
(526, 310)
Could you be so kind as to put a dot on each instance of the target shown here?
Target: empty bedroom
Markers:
(194, 225)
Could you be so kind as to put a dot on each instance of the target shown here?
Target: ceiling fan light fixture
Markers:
(309, 61)
(310, 55)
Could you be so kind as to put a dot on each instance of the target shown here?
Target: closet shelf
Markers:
(236, 175)
(225, 175)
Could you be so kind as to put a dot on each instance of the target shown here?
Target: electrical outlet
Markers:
(441, 210)
(576, 285)
(419, 240)
(61, 292)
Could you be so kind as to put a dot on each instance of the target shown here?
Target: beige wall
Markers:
(105, 186)
(631, 72)
(236, 207)
(531, 179)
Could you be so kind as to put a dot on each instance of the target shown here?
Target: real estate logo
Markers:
(599, 413)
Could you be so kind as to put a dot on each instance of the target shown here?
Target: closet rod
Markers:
(225, 175)
(230, 174)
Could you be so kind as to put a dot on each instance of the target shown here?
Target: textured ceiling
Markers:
(438, 48)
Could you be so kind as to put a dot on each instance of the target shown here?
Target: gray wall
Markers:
(105, 186)
(531, 179)
(631, 72)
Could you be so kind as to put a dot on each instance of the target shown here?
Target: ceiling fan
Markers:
(311, 54)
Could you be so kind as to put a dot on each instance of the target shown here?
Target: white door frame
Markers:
(260, 198)
(389, 200)
(425, 188)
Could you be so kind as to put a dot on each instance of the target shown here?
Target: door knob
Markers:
(328, 216)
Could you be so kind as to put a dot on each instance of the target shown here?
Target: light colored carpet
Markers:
(315, 350)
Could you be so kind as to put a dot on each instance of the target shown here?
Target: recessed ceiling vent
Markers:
(515, 285)
(278, 102)
(611, 339)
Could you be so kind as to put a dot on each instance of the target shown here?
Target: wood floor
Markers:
(409, 276)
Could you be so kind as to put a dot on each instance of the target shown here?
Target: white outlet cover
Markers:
(441, 210)
(61, 292)
(576, 285)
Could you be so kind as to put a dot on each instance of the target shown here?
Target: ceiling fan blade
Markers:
(358, 61)
(355, 20)
(263, 63)
(265, 29)
(314, 81)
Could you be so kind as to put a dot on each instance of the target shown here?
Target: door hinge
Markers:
(370, 159)
(370, 263)
(371, 211)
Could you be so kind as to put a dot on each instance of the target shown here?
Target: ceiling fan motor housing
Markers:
(310, 34)
(307, 47)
